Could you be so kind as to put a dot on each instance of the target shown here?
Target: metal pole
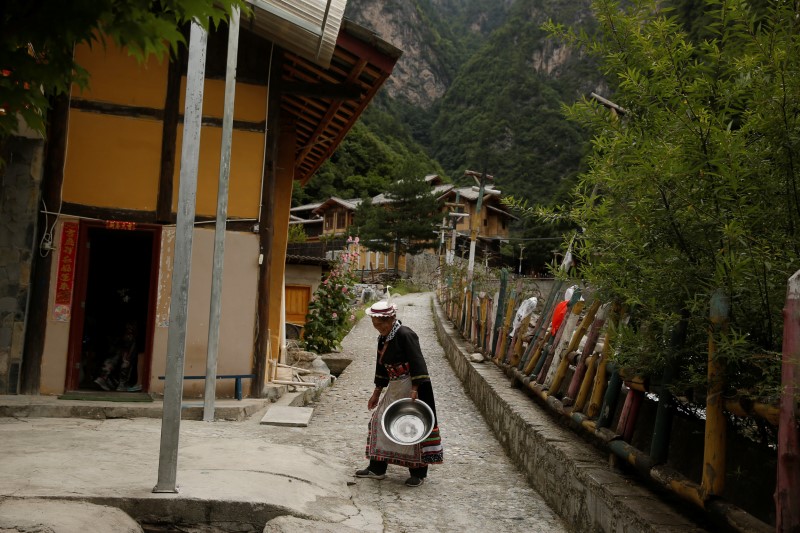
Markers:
(475, 227)
(521, 248)
(222, 217)
(452, 253)
(179, 299)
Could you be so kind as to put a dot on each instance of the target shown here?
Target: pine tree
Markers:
(404, 224)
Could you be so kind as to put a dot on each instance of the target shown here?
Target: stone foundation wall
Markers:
(573, 476)
(19, 200)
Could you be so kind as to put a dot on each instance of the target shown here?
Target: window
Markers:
(341, 216)
(328, 221)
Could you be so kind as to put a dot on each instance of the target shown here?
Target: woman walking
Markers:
(400, 369)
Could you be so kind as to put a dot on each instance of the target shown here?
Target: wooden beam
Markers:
(333, 91)
(52, 180)
(266, 228)
(169, 136)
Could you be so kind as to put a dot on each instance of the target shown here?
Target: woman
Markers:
(401, 369)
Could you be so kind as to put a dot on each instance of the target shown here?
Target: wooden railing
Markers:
(571, 372)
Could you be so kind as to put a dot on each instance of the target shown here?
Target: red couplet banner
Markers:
(65, 278)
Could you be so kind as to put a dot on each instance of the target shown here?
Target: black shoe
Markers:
(414, 481)
(368, 473)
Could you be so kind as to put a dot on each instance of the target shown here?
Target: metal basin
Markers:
(407, 421)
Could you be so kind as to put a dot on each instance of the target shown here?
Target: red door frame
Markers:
(78, 313)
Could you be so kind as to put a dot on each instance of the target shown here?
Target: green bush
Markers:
(330, 316)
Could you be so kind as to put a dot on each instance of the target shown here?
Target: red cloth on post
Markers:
(558, 316)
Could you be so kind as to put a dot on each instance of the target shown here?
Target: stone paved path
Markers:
(476, 489)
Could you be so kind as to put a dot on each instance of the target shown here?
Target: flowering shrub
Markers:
(329, 317)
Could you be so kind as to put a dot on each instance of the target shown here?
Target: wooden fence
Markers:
(571, 371)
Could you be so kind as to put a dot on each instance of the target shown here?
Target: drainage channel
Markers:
(195, 516)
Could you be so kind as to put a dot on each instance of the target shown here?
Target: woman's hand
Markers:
(414, 395)
(373, 400)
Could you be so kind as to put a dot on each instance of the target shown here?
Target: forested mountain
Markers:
(480, 86)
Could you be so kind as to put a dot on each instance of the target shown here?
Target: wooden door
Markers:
(297, 298)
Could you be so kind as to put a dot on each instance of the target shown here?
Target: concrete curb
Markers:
(18, 406)
(570, 474)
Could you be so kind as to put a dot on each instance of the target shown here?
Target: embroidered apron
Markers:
(379, 446)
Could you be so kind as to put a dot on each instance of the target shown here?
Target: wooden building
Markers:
(101, 275)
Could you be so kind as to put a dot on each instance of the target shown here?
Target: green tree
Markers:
(38, 38)
(405, 223)
(695, 187)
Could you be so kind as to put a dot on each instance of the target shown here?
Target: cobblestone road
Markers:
(476, 489)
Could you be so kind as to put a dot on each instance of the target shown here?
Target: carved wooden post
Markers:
(716, 427)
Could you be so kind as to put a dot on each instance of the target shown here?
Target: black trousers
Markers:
(379, 467)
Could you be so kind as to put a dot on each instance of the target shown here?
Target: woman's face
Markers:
(383, 325)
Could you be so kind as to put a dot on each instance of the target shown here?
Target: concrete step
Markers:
(285, 415)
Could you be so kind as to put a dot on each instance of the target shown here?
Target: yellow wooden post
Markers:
(586, 384)
(501, 349)
(714, 450)
(537, 352)
(468, 319)
(484, 320)
(600, 379)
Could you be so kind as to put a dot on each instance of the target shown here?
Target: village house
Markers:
(97, 283)
(328, 223)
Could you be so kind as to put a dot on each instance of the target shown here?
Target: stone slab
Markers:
(281, 415)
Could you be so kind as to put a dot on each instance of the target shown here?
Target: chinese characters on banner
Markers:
(65, 277)
(118, 224)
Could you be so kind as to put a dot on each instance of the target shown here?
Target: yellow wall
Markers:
(250, 104)
(118, 78)
(112, 161)
(247, 149)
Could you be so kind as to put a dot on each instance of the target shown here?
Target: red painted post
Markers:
(714, 451)
(787, 489)
(630, 412)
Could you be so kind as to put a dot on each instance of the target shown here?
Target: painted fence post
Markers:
(787, 490)
(610, 398)
(498, 319)
(561, 370)
(716, 428)
(588, 350)
(600, 382)
(503, 333)
(662, 428)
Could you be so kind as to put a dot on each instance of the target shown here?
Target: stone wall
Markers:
(19, 199)
(573, 476)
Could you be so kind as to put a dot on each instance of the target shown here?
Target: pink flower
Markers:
(352, 318)
(344, 290)
(334, 315)
(356, 240)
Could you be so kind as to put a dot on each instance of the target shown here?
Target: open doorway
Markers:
(111, 333)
